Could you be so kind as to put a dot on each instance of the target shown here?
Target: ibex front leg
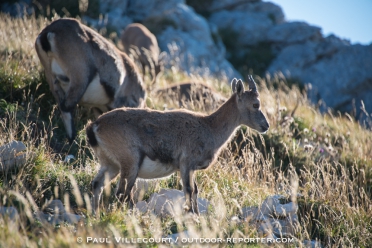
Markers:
(190, 189)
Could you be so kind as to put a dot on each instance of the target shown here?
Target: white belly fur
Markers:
(95, 94)
(151, 169)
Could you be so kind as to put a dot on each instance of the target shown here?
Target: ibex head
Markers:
(249, 105)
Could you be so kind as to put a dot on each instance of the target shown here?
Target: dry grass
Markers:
(324, 157)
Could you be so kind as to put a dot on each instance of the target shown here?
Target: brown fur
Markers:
(82, 55)
(198, 94)
(150, 144)
(138, 37)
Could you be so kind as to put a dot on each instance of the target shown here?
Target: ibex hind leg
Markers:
(129, 164)
(106, 174)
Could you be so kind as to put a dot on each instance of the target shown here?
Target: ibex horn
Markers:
(251, 83)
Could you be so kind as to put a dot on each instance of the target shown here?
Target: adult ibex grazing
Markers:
(140, 39)
(82, 67)
(195, 94)
(151, 144)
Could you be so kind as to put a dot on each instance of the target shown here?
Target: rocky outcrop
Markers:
(250, 21)
(250, 27)
(184, 37)
(292, 33)
(338, 72)
(255, 36)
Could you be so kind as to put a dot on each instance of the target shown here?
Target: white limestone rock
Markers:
(170, 202)
(12, 155)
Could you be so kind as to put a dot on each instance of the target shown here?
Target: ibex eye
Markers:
(256, 105)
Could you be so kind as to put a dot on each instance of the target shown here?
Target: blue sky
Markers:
(348, 19)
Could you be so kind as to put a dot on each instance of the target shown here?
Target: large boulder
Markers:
(293, 32)
(191, 56)
(337, 71)
(243, 26)
(273, 11)
(250, 27)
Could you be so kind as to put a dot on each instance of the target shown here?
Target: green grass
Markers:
(335, 184)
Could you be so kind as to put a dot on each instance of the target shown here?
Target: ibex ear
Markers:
(233, 85)
(239, 88)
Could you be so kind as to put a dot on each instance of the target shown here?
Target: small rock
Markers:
(286, 209)
(57, 219)
(265, 228)
(165, 204)
(11, 214)
(269, 205)
(47, 218)
(284, 228)
(10, 150)
(171, 202)
(235, 219)
(55, 207)
(68, 158)
(12, 155)
(71, 218)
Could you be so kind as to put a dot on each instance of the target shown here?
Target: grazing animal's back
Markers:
(138, 36)
(82, 67)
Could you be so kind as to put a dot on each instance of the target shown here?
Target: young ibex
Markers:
(82, 67)
(140, 39)
(151, 144)
(197, 94)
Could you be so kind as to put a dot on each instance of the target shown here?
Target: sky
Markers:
(347, 19)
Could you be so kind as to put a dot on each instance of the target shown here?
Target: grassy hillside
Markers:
(326, 158)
